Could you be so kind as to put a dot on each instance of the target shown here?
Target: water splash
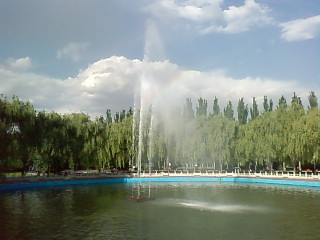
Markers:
(213, 206)
(218, 207)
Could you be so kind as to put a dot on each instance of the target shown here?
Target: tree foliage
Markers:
(288, 136)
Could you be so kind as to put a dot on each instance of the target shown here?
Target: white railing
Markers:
(186, 173)
(274, 174)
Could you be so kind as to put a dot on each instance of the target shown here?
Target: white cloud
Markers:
(112, 83)
(109, 74)
(73, 51)
(20, 64)
(240, 19)
(44, 92)
(208, 16)
(301, 29)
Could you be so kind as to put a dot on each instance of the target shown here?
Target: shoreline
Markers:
(41, 181)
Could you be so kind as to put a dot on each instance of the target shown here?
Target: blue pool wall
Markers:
(11, 186)
(228, 180)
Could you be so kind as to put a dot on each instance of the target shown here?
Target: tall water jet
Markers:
(153, 48)
(150, 137)
(133, 131)
(145, 87)
(153, 51)
(152, 43)
(140, 143)
(145, 96)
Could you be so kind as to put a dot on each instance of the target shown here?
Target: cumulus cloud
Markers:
(73, 51)
(208, 16)
(44, 92)
(240, 19)
(301, 29)
(112, 83)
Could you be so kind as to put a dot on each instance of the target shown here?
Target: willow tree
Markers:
(242, 149)
(51, 147)
(23, 129)
(246, 146)
(201, 135)
(8, 158)
(294, 147)
(201, 155)
(220, 139)
(119, 143)
(281, 131)
(95, 151)
(263, 127)
(78, 134)
(188, 142)
(309, 127)
(158, 147)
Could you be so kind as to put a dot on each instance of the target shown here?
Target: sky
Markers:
(92, 55)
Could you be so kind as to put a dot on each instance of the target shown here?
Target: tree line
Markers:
(50, 142)
(256, 138)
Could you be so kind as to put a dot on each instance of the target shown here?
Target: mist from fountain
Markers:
(158, 107)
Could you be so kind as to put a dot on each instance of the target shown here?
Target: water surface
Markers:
(179, 211)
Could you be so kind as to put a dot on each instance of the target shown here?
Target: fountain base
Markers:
(140, 199)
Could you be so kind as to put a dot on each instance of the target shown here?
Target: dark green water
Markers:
(180, 211)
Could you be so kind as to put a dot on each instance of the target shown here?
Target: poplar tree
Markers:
(294, 147)
(228, 111)
(282, 102)
(254, 111)
(242, 111)
(109, 116)
(313, 101)
(188, 112)
(216, 108)
(202, 107)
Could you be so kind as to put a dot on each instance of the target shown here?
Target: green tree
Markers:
(282, 102)
(202, 107)
(216, 108)
(254, 111)
(293, 147)
(242, 111)
(309, 127)
(220, 140)
(228, 111)
(313, 101)
(188, 112)
(109, 116)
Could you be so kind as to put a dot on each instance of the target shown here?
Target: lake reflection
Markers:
(179, 211)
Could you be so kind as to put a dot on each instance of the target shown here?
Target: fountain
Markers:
(139, 197)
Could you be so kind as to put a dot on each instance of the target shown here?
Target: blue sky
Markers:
(81, 55)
